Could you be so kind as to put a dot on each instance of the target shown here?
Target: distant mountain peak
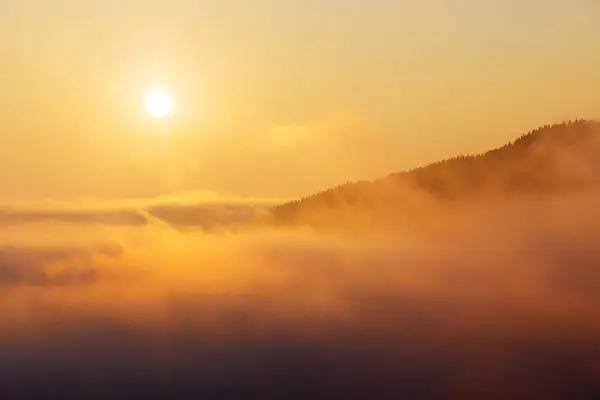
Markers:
(551, 159)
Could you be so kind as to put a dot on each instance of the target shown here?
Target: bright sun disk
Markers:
(158, 103)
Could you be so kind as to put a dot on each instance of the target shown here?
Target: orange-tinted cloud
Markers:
(253, 310)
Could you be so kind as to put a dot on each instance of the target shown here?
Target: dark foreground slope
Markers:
(557, 159)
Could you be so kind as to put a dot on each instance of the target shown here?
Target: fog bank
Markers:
(506, 305)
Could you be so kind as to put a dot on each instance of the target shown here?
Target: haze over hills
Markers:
(553, 159)
(556, 159)
(159, 297)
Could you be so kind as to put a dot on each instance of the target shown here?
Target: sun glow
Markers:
(158, 103)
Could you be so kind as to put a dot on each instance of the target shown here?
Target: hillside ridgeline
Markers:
(554, 159)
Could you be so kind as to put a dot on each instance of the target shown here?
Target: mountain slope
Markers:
(561, 158)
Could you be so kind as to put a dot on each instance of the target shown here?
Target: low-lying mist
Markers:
(505, 304)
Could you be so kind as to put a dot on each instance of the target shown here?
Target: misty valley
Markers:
(475, 277)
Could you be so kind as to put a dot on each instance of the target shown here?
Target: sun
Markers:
(158, 103)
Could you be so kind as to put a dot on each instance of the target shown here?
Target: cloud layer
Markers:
(507, 306)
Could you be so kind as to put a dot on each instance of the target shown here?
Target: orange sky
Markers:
(276, 99)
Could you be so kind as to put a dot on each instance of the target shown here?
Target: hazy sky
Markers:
(277, 98)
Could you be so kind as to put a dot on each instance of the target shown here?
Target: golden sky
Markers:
(277, 98)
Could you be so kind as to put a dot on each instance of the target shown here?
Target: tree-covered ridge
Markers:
(552, 158)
